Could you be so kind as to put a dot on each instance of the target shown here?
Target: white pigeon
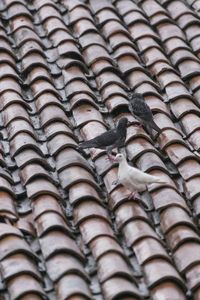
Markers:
(132, 178)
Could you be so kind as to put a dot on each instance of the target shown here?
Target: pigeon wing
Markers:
(141, 110)
(141, 177)
(102, 141)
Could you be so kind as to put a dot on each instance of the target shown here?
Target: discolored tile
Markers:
(105, 244)
(106, 15)
(32, 171)
(112, 264)
(89, 209)
(7, 206)
(183, 261)
(138, 77)
(133, 17)
(56, 241)
(86, 113)
(152, 8)
(59, 36)
(136, 230)
(24, 35)
(119, 39)
(179, 235)
(158, 270)
(182, 106)
(27, 156)
(77, 13)
(189, 169)
(63, 263)
(50, 221)
(148, 249)
(30, 47)
(140, 30)
(168, 30)
(168, 289)
(83, 26)
(41, 186)
(67, 70)
(97, 7)
(91, 229)
(92, 38)
(16, 10)
(53, 113)
(13, 112)
(113, 27)
(192, 276)
(46, 11)
(119, 286)
(46, 203)
(173, 216)
(129, 211)
(40, 86)
(53, 24)
(72, 285)
(192, 188)
(23, 141)
(18, 264)
(76, 174)
(125, 6)
(178, 153)
(24, 284)
(11, 245)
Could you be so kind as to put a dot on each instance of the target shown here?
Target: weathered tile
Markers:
(183, 261)
(18, 264)
(89, 209)
(60, 264)
(173, 216)
(169, 289)
(24, 284)
(118, 286)
(72, 285)
(66, 71)
(179, 235)
(136, 230)
(159, 270)
(105, 244)
(56, 241)
(91, 229)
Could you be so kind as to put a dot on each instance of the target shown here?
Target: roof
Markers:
(66, 70)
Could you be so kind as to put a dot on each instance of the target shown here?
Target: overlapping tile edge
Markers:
(83, 75)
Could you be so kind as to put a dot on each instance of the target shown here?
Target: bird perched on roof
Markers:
(132, 178)
(142, 112)
(114, 138)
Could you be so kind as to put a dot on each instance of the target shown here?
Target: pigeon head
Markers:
(137, 96)
(123, 122)
(119, 157)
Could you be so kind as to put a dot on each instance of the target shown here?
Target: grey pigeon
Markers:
(142, 112)
(133, 178)
(114, 138)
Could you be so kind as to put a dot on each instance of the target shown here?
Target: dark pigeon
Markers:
(142, 112)
(114, 138)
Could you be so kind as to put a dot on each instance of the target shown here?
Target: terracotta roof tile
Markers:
(167, 290)
(67, 69)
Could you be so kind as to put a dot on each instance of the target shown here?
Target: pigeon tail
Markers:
(155, 126)
(87, 144)
(158, 180)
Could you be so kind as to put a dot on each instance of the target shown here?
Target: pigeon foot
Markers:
(111, 158)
